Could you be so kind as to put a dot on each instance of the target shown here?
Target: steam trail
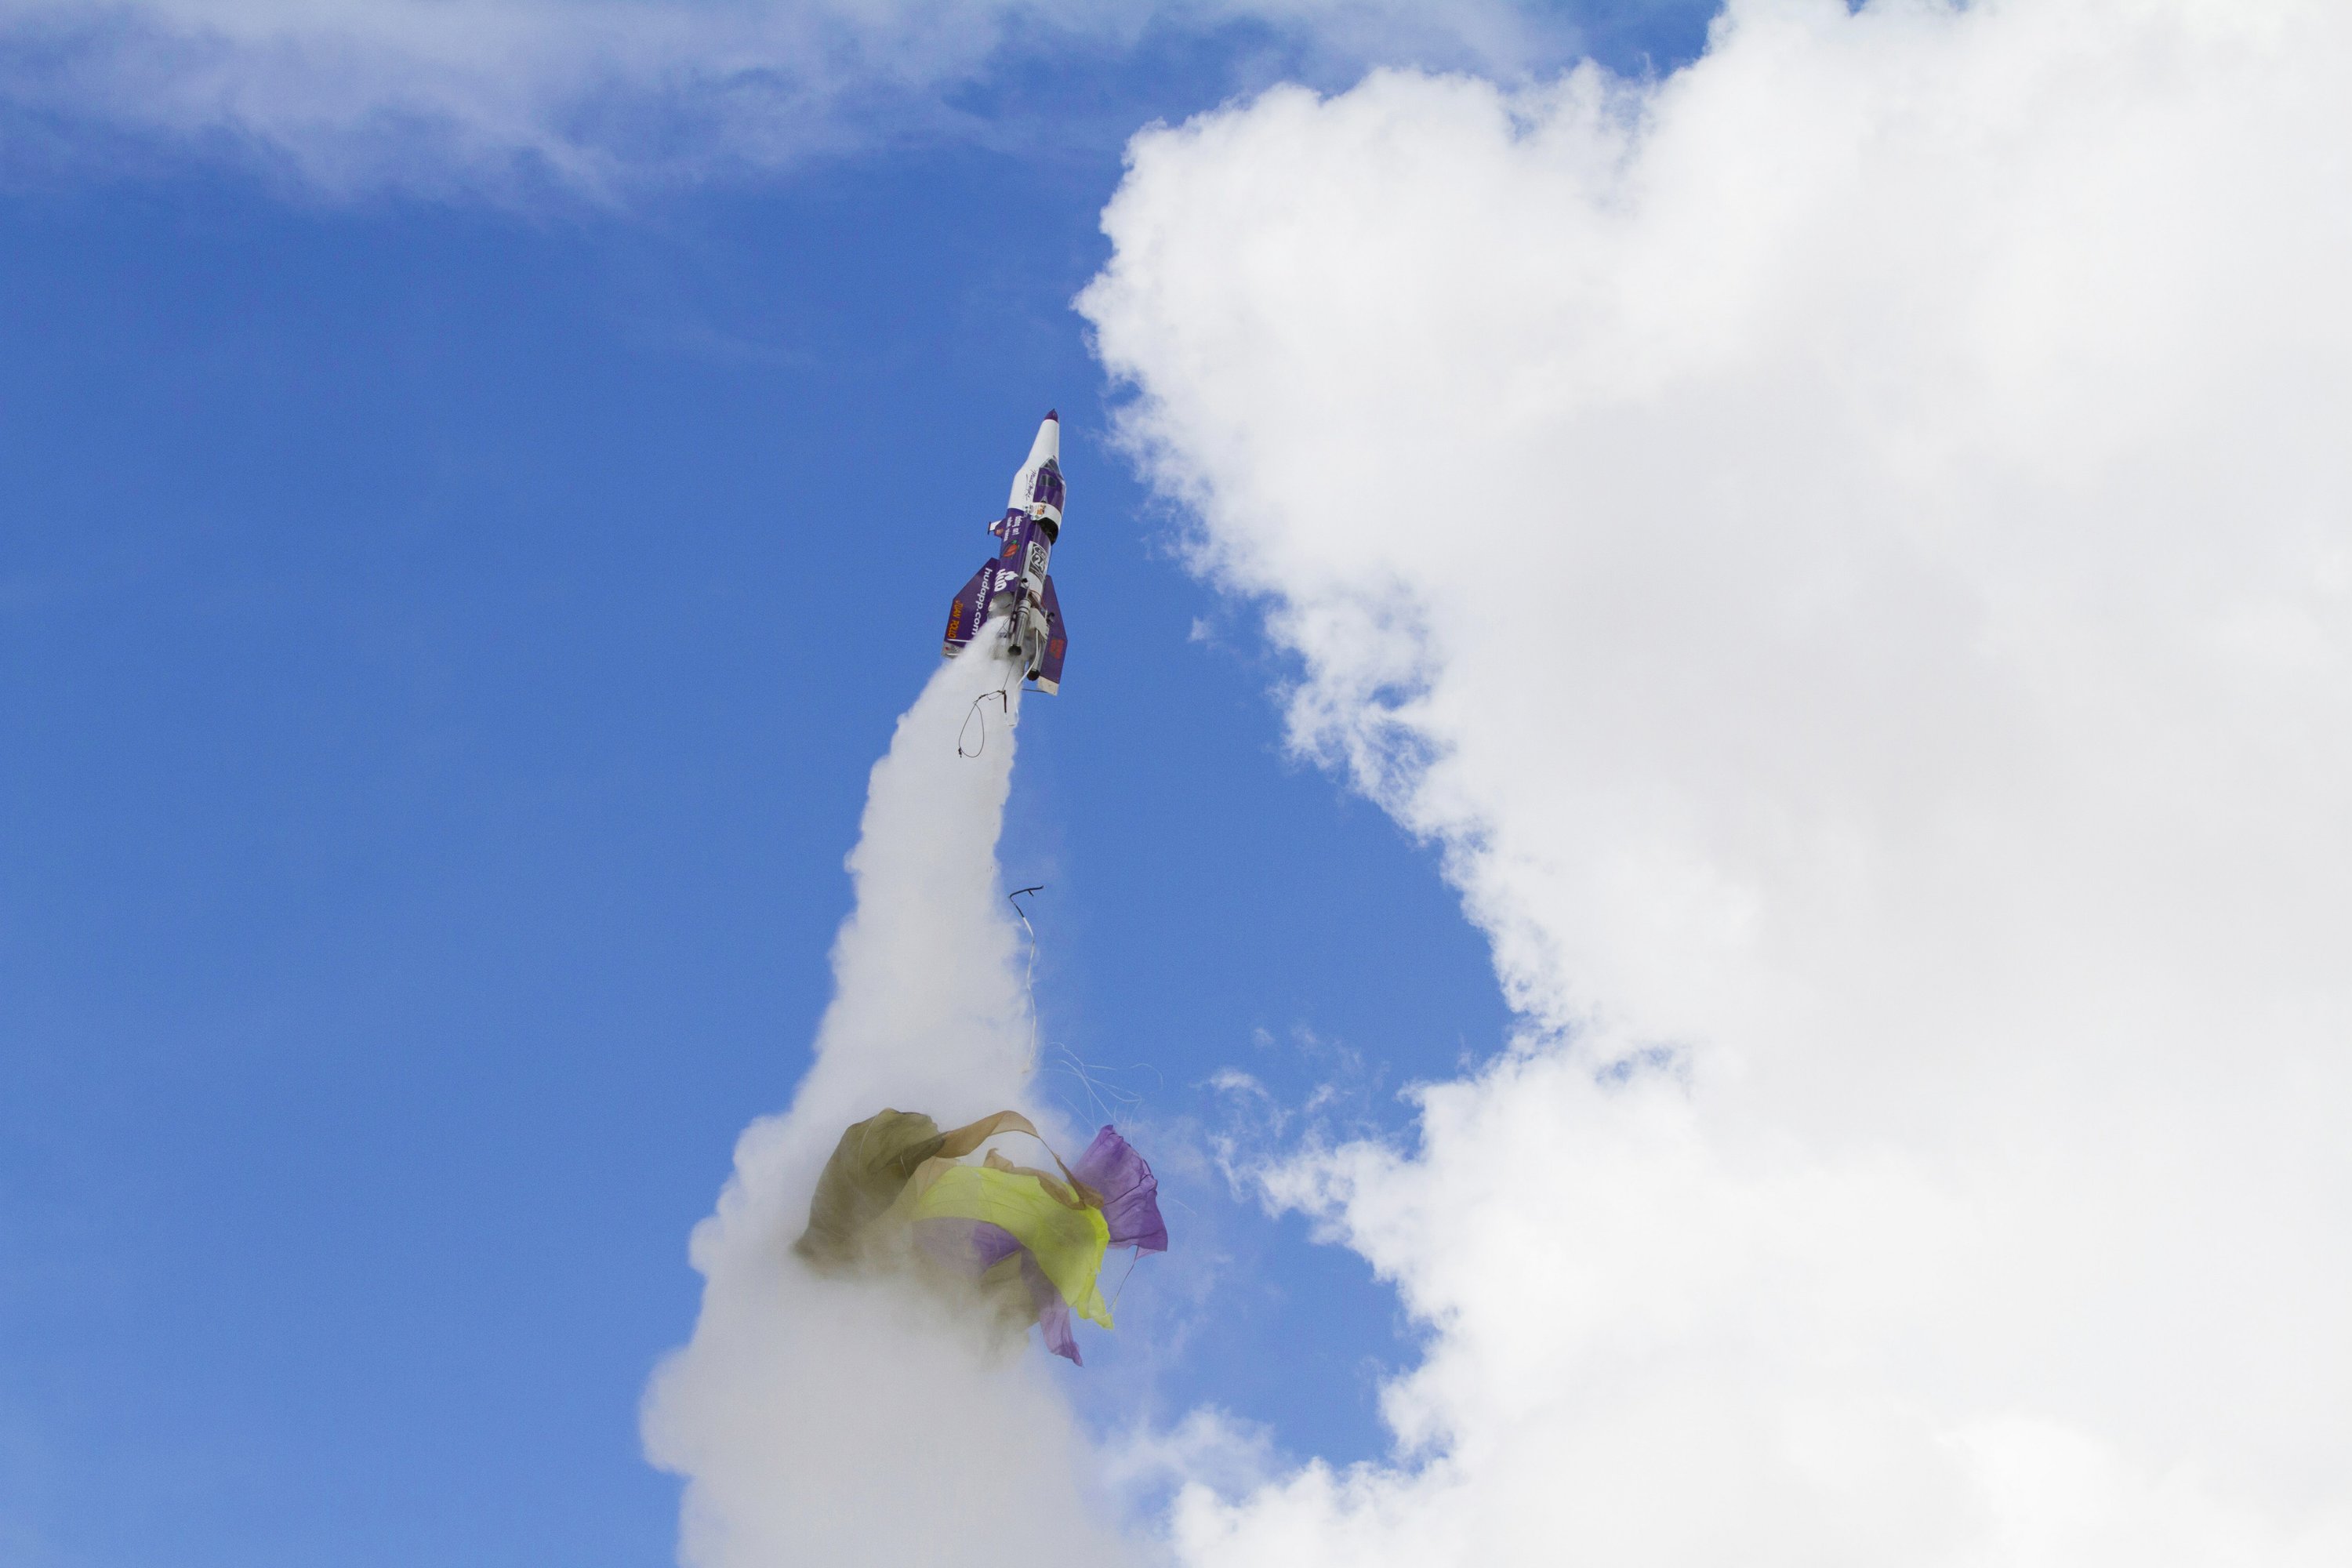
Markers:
(850, 1422)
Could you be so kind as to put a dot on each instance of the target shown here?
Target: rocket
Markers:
(1011, 597)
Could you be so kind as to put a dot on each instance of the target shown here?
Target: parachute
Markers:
(895, 1194)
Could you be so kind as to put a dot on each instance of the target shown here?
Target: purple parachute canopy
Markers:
(1053, 1312)
(1130, 1192)
(971, 1245)
(1113, 1172)
(974, 1247)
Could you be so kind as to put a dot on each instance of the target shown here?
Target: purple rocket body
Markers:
(1011, 597)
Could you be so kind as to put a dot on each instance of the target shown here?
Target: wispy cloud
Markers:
(603, 97)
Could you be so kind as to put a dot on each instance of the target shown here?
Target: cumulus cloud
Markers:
(602, 96)
(1848, 551)
(853, 1421)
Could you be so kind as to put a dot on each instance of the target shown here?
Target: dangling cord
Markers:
(1085, 1193)
(1003, 695)
(1029, 986)
(974, 714)
(1132, 1259)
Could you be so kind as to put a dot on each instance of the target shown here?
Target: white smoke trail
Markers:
(847, 1421)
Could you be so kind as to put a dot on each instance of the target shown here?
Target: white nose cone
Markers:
(1039, 482)
(1048, 443)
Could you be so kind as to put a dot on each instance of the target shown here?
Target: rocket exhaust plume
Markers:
(848, 1420)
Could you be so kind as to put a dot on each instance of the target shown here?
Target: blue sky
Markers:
(442, 643)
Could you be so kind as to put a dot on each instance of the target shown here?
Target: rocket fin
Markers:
(968, 611)
(1058, 641)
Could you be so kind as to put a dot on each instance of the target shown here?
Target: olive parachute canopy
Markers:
(1034, 1242)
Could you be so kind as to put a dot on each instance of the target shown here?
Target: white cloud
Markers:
(604, 95)
(1850, 550)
